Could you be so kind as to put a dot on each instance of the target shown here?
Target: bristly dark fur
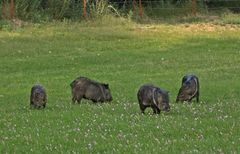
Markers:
(83, 87)
(189, 89)
(151, 96)
(38, 97)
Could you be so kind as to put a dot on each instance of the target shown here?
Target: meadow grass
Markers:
(125, 56)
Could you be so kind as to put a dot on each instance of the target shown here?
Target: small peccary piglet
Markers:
(83, 87)
(189, 89)
(154, 97)
(38, 97)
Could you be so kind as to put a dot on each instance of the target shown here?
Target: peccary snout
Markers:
(107, 93)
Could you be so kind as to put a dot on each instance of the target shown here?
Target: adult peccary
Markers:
(83, 87)
(38, 97)
(154, 97)
(189, 89)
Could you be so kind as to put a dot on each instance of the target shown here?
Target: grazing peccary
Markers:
(154, 97)
(189, 89)
(38, 97)
(83, 87)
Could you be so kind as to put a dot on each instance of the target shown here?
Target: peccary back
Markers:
(189, 89)
(154, 97)
(83, 87)
(38, 97)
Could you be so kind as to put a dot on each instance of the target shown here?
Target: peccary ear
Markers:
(106, 86)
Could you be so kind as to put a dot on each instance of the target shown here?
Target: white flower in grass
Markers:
(89, 146)
(74, 140)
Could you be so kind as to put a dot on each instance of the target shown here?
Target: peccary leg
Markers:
(189, 100)
(197, 97)
(177, 100)
(45, 102)
(73, 100)
(79, 99)
(94, 101)
(76, 98)
(158, 111)
(155, 110)
(31, 105)
(142, 108)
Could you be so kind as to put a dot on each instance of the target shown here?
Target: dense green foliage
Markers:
(49, 10)
(41, 10)
(125, 56)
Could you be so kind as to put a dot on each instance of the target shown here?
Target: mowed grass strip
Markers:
(126, 57)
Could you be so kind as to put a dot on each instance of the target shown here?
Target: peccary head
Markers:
(162, 100)
(107, 92)
(39, 97)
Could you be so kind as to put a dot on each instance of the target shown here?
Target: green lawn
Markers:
(125, 56)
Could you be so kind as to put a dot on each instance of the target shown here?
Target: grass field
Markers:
(125, 56)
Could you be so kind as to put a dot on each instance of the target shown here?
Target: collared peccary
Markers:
(38, 97)
(154, 97)
(189, 89)
(83, 87)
